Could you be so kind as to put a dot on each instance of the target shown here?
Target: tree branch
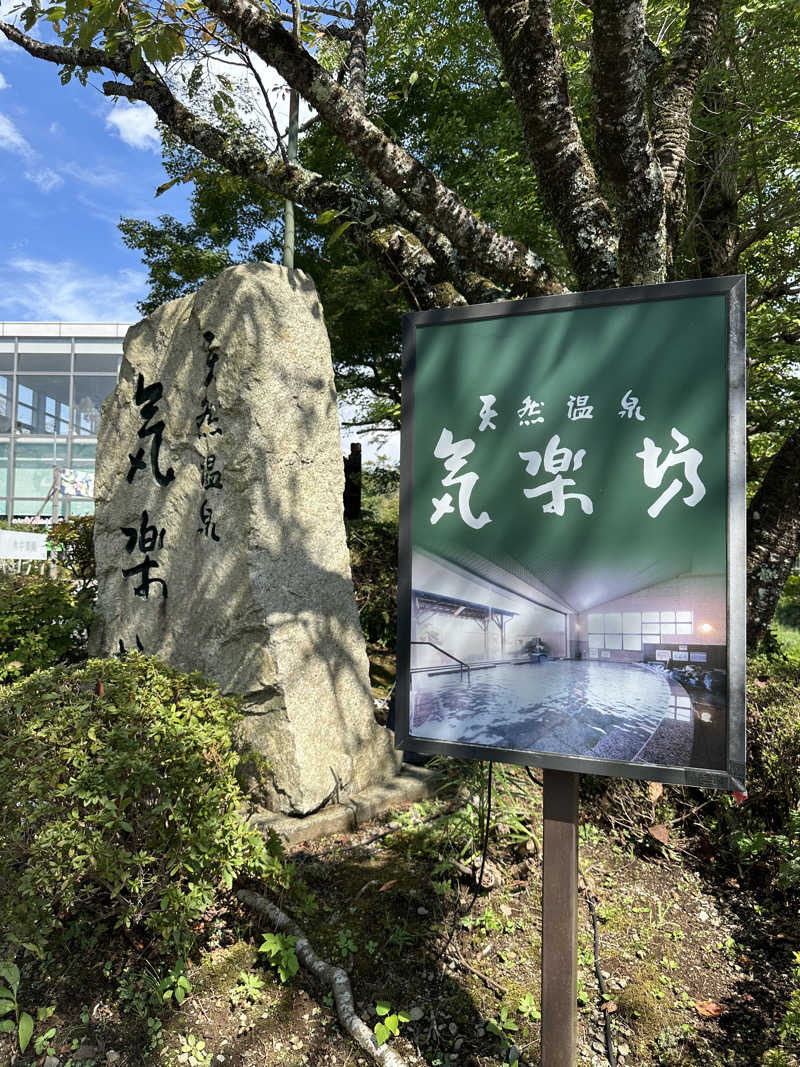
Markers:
(523, 31)
(87, 58)
(486, 250)
(782, 218)
(624, 148)
(333, 977)
(673, 105)
(357, 59)
(268, 103)
(396, 250)
(475, 287)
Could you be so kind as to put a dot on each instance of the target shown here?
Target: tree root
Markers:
(328, 975)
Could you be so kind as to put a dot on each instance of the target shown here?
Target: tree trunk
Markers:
(773, 537)
(716, 186)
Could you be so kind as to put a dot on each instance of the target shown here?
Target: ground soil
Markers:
(697, 970)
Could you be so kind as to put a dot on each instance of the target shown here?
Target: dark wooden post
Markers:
(352, 482)
(559, 919)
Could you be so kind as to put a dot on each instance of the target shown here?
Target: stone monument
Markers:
(219, 537)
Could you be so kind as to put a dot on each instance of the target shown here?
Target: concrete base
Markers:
(410, 785)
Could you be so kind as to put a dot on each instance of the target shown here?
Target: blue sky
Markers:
(71, 164)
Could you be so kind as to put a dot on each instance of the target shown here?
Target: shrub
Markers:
(42, 622)
(73, 548)
(764, 833)
(773, 741)
(373, 558)
(118, 809)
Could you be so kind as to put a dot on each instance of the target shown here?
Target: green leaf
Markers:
(7, 1025)
(25, 1032)
(327, 216)
(404, 1017)
(382, 1035)
(10, 972)
(383, 1007)
(392, 1024)
(6, 1006)
(337, 233)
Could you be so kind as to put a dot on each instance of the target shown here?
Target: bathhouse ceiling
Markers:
(470, 576)
(570, 588)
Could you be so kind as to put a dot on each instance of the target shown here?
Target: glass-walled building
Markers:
(53, 379)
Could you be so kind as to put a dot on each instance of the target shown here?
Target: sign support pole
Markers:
(559, 919)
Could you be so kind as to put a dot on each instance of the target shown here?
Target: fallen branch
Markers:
(455, 957)
(333, 977)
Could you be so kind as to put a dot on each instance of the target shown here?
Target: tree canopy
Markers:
(486, 150)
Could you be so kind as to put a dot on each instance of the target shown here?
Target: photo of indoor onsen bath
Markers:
(499, 658)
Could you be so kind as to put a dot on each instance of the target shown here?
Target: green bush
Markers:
(73, 548)
(789, 1029)
(788, 608)
(118, 809)
(773, 741)
(42, 622)
(373, 558)
(764, 832)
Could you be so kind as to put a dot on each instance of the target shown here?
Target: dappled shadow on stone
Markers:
(241, 561)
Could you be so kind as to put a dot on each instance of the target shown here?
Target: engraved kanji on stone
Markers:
(143, 570)
(208, 528)
(210, 478)
(146, 534)
(146, 398)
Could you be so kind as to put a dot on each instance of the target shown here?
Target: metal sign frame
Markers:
(733, 290)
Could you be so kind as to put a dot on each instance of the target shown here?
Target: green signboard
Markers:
(572, 533)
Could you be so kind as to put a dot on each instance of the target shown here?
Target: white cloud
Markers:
(46, 179)
(99, 178)
(136, 125)
(3, 82)
(12, 140)
(66, 291)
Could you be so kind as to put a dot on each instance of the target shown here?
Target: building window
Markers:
(630, 630)
(5, 450)
(90, 392)
(51, 391)
(33, 467)
(5, 403)
(41, 400)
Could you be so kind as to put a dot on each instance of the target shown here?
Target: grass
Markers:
(398, 914)
(789, 640)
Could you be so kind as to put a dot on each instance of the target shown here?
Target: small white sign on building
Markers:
(663, 654)
(15, 544)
